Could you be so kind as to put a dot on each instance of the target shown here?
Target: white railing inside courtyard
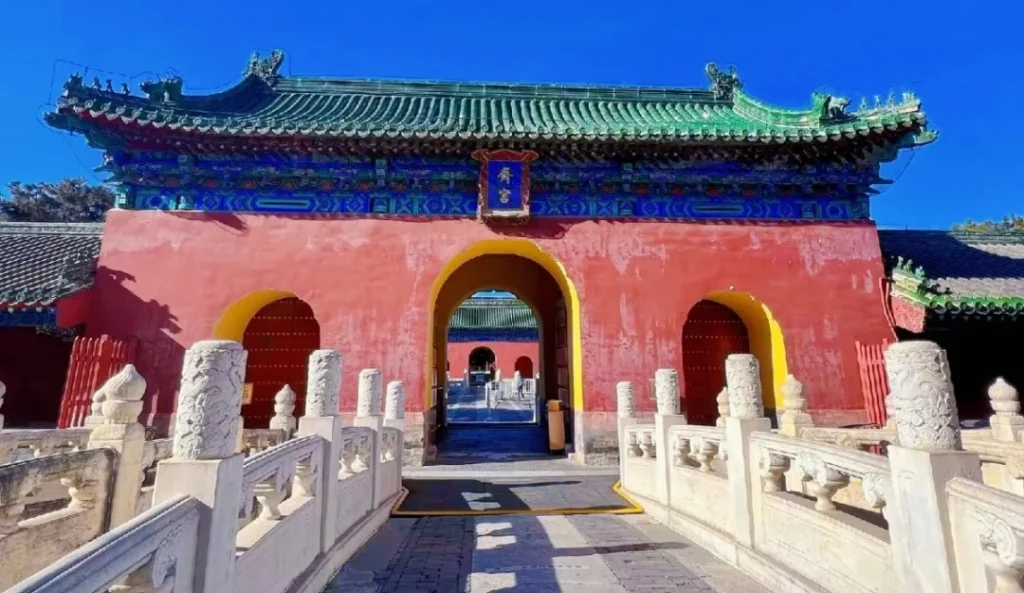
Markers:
(916, 506)
(279, 509)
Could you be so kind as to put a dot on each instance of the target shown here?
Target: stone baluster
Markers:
(394, 405)
(928, 452)
(773, 470)
(323, 389)
(1007, 423)
(284, 410)
(823, 480)
(723, 406)
(795, 416)
(1002, 552)
(746, 416)
(703, 452)
(667, 396)
(205, 464)
(122, 432)
(368, 414)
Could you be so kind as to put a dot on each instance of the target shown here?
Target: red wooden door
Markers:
(279, 340)
(711, 332)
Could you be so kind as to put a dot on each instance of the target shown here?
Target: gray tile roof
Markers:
(962, 264)
(42, 262)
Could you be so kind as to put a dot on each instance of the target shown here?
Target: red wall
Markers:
(32, 367)
(505, 355)
(167, 277)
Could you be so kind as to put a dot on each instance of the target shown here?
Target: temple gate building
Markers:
(493, 331)
(644, 227)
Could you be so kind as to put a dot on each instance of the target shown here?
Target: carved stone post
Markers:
(795, 416)
(626, 417)
(368, 414)
(3, 390)
(394, 405)
(666, 393)
(927, 454)
(746, 416)
(723, 406)
(122, 432)
(1007, 423)
(205, 464)
(95, 417)
(323, 388)
(284, 410)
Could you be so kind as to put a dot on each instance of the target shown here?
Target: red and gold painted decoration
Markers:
(504, 185)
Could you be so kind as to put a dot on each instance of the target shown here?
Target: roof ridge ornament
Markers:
(265, 68)
(831, 108)
(166, 90)
(723, 84)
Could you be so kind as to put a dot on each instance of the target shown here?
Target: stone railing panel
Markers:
(153, 452)
(257, 440)
(28, 544)
(355, 483)
(152, 552)
(18, 444)
(390, 467)
(698, 477)
(841, 551)
(641, 470)
(988, 536)
(276, 546)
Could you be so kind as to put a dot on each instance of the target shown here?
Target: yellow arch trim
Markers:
(766, 340)
(236, 317)
(529, 250)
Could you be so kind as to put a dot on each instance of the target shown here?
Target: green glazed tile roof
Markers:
(43, 262)
(493, 314)
(267, 105)
(957, 274)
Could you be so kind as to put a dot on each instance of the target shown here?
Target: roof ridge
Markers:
(51, 228)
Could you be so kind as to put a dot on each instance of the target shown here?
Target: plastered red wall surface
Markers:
(167, 277)
(505, 356)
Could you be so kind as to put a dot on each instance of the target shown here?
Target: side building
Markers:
(644, 227)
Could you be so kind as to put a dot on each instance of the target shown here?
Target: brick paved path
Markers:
(586, 553)
(468, 493)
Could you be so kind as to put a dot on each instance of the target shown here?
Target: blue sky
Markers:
(966, 64)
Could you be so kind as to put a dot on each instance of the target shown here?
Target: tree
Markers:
(71, 200)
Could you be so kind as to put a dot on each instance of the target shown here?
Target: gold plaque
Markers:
(247, 394)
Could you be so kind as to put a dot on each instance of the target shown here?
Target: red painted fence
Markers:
(93, 361)
(873, 382)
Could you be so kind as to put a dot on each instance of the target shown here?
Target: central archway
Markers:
(520, 267)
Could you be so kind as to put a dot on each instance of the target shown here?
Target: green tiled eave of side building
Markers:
(267, 105)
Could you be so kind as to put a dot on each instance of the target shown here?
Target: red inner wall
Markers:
(167, 278)
(505, 356)
(33, 367)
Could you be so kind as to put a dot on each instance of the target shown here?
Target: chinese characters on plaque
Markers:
(504, 184)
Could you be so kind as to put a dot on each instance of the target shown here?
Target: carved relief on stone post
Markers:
(323, 383)
(394, 406)
(743, 380)
(210, 400)
(666, 391)
(1007, 423)
(923, 401)
(368, 403)
(624, 399)
(284, 411)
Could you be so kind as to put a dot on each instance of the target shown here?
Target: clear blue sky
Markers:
(966, 64)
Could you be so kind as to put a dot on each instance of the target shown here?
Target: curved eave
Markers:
(87, 119)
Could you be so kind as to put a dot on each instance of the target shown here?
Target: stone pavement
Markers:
(589, 553)
(578, 493)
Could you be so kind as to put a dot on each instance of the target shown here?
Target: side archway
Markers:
(525, 367)
(279, 331)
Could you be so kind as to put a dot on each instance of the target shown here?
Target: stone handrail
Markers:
(256, 440)
(988, 533)
(852, 438)
(321, 495)
(30, 543)
(152, 552)
(40, 441)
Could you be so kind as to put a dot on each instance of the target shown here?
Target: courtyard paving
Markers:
(535, 554)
